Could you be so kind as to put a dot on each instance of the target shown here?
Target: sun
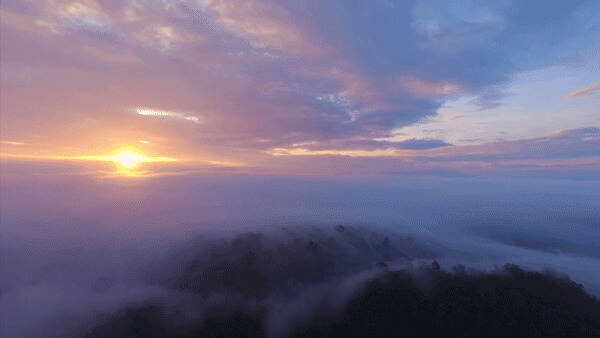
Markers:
(128, 159)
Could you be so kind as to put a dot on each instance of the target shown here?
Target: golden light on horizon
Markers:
(128, 162)
(128, 159)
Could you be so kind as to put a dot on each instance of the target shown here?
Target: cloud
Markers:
(167, 114)
(86, 15)
(372, 144)
(587, 91)
(564, 144)
(588, 133)
(13, 143)
(569, 153)
(279, 283)
(279, 72)
(265, 25)
(359, 148)
(267, 240)
(342, 152)
(420, 144)
(571, 143)
(422, 88)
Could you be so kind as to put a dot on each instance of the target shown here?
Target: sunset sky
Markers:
(302, 87)
(164, 161)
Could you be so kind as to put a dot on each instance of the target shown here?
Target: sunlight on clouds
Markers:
(164, 37)
(349, 152)
(422, 88)
(84, 15)
(522, 115)
(13, 143)
(126, 160)
(122, 157)
(226, 163)
(587, 91)
(263, 25)
(164, 113)
(255, 82)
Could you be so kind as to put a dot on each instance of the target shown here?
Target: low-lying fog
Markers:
(75, 250)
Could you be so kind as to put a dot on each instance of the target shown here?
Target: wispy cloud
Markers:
(167, 114)
(349, 153)
(264, 24)
(584, 91)
(422, 88)
(12, 143)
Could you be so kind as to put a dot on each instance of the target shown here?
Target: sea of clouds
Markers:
(84, 256)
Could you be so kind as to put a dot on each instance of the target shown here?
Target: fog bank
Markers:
(78, 253)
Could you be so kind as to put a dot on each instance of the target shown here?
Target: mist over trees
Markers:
(347, 282)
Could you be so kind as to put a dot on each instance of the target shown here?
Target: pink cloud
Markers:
(265, 24)
(584, 91)
(423, 88)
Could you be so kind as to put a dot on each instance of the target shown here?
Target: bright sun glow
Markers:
(128, 159)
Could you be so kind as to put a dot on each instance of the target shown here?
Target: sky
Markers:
(311, 87)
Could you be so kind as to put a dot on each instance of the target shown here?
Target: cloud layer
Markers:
(263, 76)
